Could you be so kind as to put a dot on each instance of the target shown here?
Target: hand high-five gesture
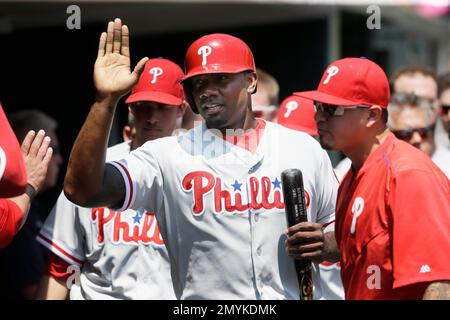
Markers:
(37, 154)
(112, 74)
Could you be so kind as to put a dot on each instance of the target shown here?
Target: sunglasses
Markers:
(445, 108)
(406, 134)
(331, 110)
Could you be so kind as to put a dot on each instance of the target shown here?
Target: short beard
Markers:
(325, 145)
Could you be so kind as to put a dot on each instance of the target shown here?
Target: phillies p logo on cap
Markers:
(290, 106)
(204, 51)
(332, 71)
(156, 72)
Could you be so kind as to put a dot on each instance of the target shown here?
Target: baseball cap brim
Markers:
(301, 128)
(213, 68)
(325, 98)
(154, 96)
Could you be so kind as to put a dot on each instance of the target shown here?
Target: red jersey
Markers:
(393, 224)
(10, 221)
(13, 177)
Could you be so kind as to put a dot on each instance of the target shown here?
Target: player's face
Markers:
(153, 120)
(422, 86)
(261, 106)
(445, 109)
(411, 125)
(339, 133)
(223, 99)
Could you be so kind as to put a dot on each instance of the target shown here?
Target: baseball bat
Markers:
(295, 206)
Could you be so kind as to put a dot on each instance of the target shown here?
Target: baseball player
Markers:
(36, 155)
(216, 190)
(13, 177)
(117, 254)
(297, 113)
(393, 203)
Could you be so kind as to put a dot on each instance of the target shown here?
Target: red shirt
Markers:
(393, 224)
(10, 221)
(13, 177)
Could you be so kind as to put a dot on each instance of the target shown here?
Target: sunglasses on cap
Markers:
(445, 108)
(406, 134)
(331, 110)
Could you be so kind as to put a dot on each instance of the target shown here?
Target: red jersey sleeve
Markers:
(13, 176)
(420, 209)
(10, 220)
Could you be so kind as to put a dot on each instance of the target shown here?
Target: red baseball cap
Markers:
(351, 82)
(298, 113)
(159, 82)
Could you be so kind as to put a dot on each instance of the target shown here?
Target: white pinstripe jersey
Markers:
(121, 255)
(221, 211)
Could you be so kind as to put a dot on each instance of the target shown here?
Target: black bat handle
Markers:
(295, 207)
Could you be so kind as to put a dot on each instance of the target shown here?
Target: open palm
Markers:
(112, 74)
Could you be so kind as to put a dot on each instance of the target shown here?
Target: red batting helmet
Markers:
(216, 53)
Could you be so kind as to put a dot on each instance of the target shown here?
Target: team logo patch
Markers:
(204, 51)
(290, 106)
(425, 269)
(156, 72)
(332, 71)
(357, 210)
(262, 193)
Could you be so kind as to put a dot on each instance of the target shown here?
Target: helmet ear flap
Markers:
(188, 95)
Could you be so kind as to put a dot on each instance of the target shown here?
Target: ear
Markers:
(374, 115)
(252, 82)
(182, 108)
(126, 133)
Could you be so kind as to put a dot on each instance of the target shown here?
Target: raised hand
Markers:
(36, 152)
(112, 73)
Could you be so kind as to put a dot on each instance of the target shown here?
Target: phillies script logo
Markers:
(141, 228)
(264, 192)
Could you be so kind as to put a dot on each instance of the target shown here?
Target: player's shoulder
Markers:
(157, 146)
(289, 136)
(164, 143)
(118, 151)
(405, 159)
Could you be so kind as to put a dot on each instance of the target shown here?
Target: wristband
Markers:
(30, 191)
